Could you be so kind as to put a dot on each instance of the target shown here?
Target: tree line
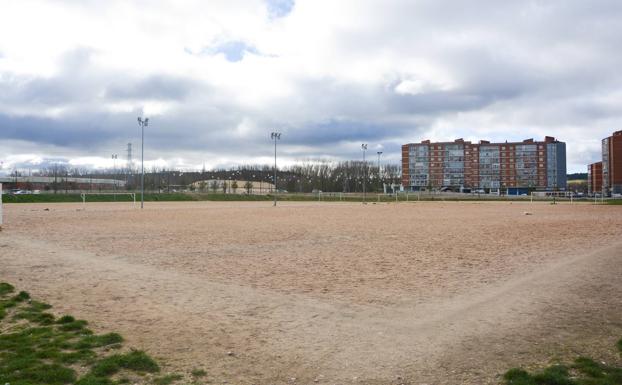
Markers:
(305, 177)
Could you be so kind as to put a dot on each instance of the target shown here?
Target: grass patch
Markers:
(93, 341)
(167, 380)
(6, 288)
(149, 197)
(22, 296)
(78, 325)
(584, 371)
(198, 373)
(135, 360)
(65, 319)
(36, 317)
(43, 350)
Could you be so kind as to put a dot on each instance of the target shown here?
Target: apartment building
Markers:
(595, 178)
(612, 164)
(508, 167)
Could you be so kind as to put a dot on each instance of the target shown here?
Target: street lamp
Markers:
(142, 123)
(379, 153)
(364, 148)
(275, 136)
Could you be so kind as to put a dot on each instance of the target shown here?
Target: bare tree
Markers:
(248, 186)
(214, 186)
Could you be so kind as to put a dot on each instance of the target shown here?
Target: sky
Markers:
(217, 77)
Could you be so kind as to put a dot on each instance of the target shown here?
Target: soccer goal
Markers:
(552, 195)
(93, 196)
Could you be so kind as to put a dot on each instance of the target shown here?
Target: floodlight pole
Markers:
(114, 170)
(275, 136)
(142, 123)
(364, 148)
(379, 181)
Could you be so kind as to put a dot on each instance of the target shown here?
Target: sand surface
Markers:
(410, 293)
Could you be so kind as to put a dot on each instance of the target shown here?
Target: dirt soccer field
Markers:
(410, 293)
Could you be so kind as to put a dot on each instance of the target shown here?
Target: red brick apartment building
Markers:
(595, 178)
(612, 164)
(510, 167)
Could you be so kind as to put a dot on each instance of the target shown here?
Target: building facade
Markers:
(595, 178)
(46, 183)
(510, 167)
(612, 164)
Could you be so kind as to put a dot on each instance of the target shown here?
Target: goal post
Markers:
(131, 194)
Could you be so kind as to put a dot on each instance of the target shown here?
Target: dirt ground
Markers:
(305, 293)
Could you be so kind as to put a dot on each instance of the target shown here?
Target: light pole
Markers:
(364, 148)
(275, 136)
(114, 170)
(379, 181)
(142, 123)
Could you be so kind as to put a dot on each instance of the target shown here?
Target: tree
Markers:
(248, 186)
(234, 186)
(214, 185)
(202, 186)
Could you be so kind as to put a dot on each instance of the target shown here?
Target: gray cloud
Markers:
(157, 87)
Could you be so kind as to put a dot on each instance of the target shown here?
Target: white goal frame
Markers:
(84, 195)
(552, 195)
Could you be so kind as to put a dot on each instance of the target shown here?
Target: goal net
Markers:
(109, 197)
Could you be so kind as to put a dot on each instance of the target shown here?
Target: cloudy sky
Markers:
(216, 77)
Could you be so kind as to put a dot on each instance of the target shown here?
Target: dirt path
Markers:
(566, 303)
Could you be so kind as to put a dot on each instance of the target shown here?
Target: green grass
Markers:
(167, 380)
(584, 371)
(6, 288)
(372, 197)
(198, 373)
(164, 197)
(36, 348)
(135, 360)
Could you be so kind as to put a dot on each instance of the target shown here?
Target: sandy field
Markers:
(306, 293)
